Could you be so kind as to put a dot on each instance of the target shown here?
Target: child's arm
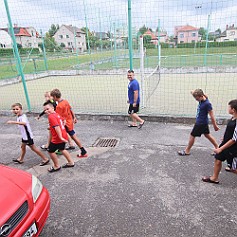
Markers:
(73, 116)
(225, 146)
(213, 120)
(16, 122)
(59, 132)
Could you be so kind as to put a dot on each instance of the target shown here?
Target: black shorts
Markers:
(28, 142)
(132, 109)
(54, 147)
(226, 155)
(200, 129)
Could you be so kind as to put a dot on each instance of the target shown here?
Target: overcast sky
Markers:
(105, 14)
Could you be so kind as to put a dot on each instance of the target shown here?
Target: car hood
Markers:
(15, 188)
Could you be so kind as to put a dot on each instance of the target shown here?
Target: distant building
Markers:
(155, 37)
(71, 37)
(230, 34)
(27, 37)
(5, 39)
(186, 34)
(101, 35)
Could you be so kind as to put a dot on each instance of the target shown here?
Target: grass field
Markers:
(107, 60)
(107, 94)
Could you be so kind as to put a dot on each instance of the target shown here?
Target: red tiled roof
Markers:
(23, 32)
(187, 28)
(151, 34)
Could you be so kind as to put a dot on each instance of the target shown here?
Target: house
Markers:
(158, 36)
(71, 37)
(186, 34)
(230, 34)
(101, 35)
(27, 37)
(5, 39)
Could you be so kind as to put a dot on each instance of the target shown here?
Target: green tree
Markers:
(203, 33)
(53, 30)
(143, 29)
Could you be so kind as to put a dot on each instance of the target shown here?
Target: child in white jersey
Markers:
(27, 135)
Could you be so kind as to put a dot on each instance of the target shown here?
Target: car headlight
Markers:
(36, 188)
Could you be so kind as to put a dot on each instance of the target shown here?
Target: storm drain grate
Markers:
(106, 142)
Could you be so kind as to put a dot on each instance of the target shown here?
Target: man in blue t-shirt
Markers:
(134, 100)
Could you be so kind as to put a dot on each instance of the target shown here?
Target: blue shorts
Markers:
(71, 133)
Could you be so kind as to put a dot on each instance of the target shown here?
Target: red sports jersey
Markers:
(54, 121)
(64, 110)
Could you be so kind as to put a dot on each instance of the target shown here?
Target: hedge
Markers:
(210, 44)
(22, 51)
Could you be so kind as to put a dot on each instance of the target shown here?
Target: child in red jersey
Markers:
(65, 111)
(58, 138)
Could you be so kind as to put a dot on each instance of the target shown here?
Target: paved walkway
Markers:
(139, 188)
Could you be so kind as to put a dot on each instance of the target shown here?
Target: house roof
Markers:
(74, 28)
(187, 28)
(18, 31)
(148, 32)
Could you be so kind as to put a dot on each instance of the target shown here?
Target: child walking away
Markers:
(27, 136)
(201, 125)
(228, 148)
(58, 138)
(65, 111)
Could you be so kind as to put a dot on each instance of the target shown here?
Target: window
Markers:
(60, 36)
(232, 33)
(69, 44)
(193, 34)
(67, 36)
(181, 35)
(181, 42)
(32, 33)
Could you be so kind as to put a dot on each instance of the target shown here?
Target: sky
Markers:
(105, 15)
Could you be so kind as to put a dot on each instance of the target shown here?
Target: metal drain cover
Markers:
(106, 142)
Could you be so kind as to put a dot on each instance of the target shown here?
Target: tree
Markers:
(203, 33)
(53, 30)
(143, 29)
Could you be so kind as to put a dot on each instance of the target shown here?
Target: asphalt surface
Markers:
(139, 188)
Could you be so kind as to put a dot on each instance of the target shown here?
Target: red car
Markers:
(24, 203)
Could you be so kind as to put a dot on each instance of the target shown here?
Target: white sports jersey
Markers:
(26, 132)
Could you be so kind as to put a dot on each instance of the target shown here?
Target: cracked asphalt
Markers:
(139, 188)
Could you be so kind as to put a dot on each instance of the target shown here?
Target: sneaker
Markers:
(70, 148)
(44, 147)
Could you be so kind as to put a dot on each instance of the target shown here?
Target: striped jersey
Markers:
(26, 132)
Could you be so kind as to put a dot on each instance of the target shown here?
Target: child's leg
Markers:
(67, 155)
(38, 152)
(54, 158)
(136, 118)
(217, 169)
(23, 152)
(211, 139)
(190, 144)
(70, 141)
(76, 140)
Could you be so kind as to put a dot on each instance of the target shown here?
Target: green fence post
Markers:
(221, 59)
(130, 34)
(17, 55)
(44, 52)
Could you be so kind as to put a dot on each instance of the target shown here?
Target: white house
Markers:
(71, 37)
(230, 34)
(5, 39)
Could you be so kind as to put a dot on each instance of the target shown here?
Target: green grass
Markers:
(106, 60)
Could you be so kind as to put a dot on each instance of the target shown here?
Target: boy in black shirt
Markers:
(228, 148)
